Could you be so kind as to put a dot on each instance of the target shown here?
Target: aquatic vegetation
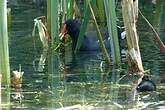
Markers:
(16, 84)
(40, 24)
(16, 79)
(113, 31)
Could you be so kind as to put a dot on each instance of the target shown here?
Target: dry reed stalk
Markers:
(40, 23)
(130, 18)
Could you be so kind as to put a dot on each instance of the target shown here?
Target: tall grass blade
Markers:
(4, 55)
(112, 29)
(0, 88)
(49, 16)
(54, 21)
(100, 12)
(83, 26)
(70, 8)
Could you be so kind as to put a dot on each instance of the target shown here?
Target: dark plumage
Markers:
(146, 85)
(90, 42)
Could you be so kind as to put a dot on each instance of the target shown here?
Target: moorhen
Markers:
(90, 42)
(146, 85)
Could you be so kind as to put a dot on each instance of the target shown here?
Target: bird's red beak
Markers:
(64, 31)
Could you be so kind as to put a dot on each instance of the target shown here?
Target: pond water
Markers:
(80, 81)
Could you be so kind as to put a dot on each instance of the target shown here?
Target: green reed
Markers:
(112, 29)
(4, 56)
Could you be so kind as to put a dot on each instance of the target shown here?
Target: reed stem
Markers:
(0, 89)
(49, 16)
(4, 55)
(102, 46)
(130, 19)
(83, 27)
(53, 21)
(112, 29)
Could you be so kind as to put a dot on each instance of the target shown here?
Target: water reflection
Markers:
(41, 61)
(86, 83)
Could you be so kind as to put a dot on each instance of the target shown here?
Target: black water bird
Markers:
(90, 42)
(146, 85)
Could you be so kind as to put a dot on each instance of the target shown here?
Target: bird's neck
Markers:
(74, 42)
(74, 37)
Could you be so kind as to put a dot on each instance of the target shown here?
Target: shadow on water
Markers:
(83, 79)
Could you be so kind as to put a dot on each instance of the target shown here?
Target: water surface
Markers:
(83, 79)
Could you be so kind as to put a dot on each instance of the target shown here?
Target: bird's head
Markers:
(71, 27)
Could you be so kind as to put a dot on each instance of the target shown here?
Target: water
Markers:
(79, 80)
